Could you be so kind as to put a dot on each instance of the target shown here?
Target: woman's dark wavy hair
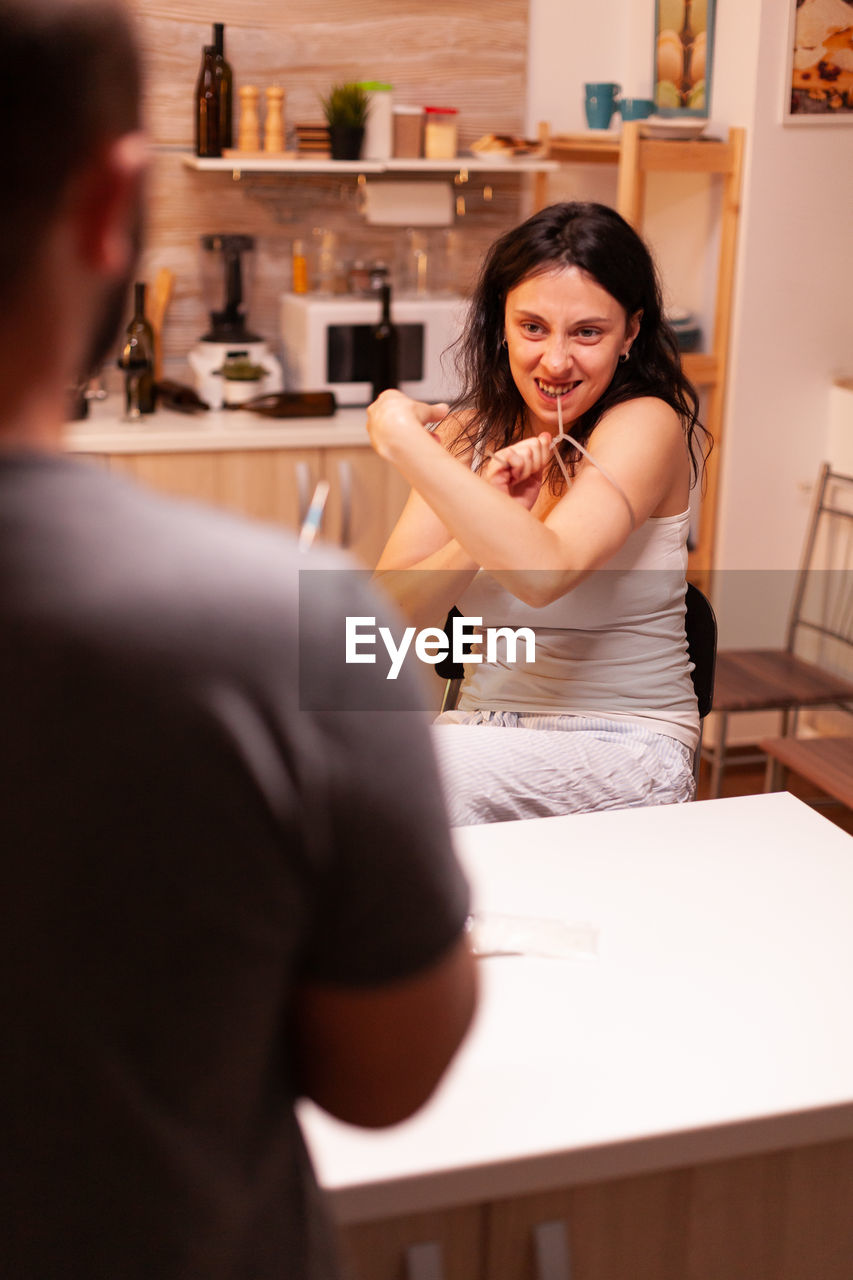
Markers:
(597, 240)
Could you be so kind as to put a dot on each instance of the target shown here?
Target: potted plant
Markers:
(345, 108)
(242, 379)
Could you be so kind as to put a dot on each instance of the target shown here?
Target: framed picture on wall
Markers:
(684, 43)
(819, 73)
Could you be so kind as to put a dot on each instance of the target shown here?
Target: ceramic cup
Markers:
(636, 108)
(600, 103)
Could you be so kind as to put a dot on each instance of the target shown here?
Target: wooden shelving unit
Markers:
(635, 157)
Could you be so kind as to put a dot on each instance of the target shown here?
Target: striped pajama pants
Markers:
(497, 766)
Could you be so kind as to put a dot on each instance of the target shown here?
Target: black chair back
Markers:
(700, 624)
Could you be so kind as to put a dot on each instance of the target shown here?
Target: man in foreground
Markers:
(212, 901)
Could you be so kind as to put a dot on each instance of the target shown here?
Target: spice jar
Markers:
(440, 133)
(408, 132)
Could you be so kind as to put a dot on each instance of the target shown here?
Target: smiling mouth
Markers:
(555, 389)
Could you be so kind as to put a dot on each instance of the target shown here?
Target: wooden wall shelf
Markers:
(294, 166)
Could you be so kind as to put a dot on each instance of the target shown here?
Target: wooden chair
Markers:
(821, 618)
(700, 626)
(826, 763)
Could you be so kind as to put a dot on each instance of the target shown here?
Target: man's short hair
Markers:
(70, 81)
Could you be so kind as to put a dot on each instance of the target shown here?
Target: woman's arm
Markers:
(640, 443)
(422, 566)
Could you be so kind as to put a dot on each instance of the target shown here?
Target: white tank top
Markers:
(612, 648)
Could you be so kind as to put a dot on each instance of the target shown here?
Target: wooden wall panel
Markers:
(472, 56)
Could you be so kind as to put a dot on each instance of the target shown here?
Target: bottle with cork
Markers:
(384, 354)
(224, 78)
(137, 359)
(208, 136)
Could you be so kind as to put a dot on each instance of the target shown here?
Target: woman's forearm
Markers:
(493, 529)
(426, 591)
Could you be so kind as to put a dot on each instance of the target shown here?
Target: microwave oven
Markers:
(327, 344)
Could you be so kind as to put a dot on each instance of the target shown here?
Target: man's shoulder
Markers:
(112, 555)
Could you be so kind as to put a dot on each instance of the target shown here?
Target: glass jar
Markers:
(408, 132)
(440, 133)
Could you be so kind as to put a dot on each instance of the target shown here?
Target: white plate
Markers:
(504, 156)
(662, 127)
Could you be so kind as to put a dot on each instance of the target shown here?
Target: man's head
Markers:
(69, 204)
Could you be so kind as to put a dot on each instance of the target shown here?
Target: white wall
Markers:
(793, 308)
(570, 42)
(793, 315)
(573, 41)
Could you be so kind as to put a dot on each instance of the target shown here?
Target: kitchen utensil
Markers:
(225, 279)
(274, 122)
(157, 307)
(311, 524)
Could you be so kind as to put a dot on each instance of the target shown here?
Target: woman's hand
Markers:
(393, 415)
(517, 470)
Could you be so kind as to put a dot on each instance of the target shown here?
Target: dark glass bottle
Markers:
(225, 84)
(137, 359)
(384, 347)
(207, 124)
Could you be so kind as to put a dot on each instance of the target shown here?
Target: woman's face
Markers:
(564, 335)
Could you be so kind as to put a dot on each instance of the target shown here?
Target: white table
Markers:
(712, 1025)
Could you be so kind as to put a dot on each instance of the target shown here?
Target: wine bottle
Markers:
(207, 122)
(384, 347)
(137, 359)
(225, 85)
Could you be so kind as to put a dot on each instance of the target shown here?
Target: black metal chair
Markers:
(700, 625)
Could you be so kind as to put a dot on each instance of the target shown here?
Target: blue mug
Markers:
(600, 103)
(636, 108)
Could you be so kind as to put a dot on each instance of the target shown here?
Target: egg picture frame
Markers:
(683, 57)
(819, 64)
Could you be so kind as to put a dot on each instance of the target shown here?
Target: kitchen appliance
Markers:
(328, 344)
(224, 280)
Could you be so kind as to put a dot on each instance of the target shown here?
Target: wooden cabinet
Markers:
(782, 1215)
(275, 485)
(366, 496)
(636, 157)
(445, 1245)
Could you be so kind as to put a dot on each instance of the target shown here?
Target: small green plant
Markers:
(241, 369)
(345, 105)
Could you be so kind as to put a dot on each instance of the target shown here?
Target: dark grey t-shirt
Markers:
(179, 845)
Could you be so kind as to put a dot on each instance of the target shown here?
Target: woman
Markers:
(585, 541)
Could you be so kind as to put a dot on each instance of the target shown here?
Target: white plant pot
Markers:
(238, 392)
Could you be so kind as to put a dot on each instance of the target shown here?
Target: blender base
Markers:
(207, 358)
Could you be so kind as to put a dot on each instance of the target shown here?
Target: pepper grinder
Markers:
(249, 138)
(274, 124)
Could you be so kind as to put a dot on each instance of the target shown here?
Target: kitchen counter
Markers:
(710, 1021)
(167, 431)
(263, 468)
